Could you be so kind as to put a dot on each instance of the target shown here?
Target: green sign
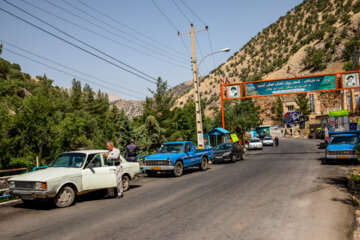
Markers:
(338, 113)
(297, 85)
(234, 137)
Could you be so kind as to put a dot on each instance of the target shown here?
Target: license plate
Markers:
(342, 157)
(218, 157)
(27, 197)
(156, 168)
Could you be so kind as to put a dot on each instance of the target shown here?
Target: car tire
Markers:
(65, 197)
(151, 173)
(232, 159)
(178, 169)
(204, 164)
(125, 182)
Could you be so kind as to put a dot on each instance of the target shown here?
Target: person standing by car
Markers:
(114, 154)
(131, 151)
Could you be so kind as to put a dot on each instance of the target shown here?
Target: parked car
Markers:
(255, 143)
(71, 174)
(228, 152)
(175, 156)
(342, 146)
(268, 141)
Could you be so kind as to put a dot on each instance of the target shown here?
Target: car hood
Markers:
(340, 147)
(47, 174)
(222, 151)
(163, 156)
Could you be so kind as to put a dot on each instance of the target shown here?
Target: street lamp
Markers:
(222, 50)
(199, 128)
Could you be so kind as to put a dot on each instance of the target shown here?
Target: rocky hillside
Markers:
(317, 36)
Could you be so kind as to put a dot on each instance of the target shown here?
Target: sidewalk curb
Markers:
(10, 203)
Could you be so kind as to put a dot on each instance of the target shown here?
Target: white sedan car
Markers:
(255, 143)
(268, 141)
(69, 175)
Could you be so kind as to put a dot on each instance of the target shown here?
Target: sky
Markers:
(121, 47)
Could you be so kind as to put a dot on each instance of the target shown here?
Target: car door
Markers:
(100, 175)
(189, 155)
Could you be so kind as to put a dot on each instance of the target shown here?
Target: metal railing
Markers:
(3, 180)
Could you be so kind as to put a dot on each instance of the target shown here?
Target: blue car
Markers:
(341, 146)
(175, 156)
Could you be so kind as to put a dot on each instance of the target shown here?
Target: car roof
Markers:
(88, 151)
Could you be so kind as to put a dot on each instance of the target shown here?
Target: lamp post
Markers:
(199, 128)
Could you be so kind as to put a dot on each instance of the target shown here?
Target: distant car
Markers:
(268, 141)
(69, 175)
(228, 152)
(255, 143)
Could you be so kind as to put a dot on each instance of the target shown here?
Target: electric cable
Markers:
(61, 65)
(106, 30)
(130, 28)
(66, 73)
(103, 36)
(111, 26)
(177, 6)
(193, 12)
(154, 82)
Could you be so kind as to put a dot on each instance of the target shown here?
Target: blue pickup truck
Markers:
(342, 146)
(175, 156)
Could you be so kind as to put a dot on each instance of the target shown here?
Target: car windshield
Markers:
(171, 148)
(224, 146)
(255, 140)
(268, 138)
(75, 160)
(343, 140)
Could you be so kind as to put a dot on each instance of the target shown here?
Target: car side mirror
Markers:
(90, 165)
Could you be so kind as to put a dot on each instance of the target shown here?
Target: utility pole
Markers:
(199, 128)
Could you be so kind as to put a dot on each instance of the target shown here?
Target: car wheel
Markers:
(178, 169)
(151, 173)
(65, 197)
(125, 182)
(232, 159)
(204, 164)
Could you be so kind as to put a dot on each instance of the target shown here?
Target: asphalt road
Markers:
(277, 193)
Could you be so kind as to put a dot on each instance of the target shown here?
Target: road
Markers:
(277, 193)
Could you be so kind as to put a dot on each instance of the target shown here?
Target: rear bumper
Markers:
(268, 144)
(341, 157)
(32, 194)
(158, 168)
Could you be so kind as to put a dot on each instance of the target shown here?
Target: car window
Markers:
(69, 160)
(172, 148)
(254, 140)
(267, 138)
(95, 159)
(343, 140)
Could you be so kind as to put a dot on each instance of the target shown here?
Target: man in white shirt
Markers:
(114, 154)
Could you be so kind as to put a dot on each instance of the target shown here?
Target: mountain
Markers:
(315, 37)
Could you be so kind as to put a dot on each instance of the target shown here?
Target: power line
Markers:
(59, 64)
(193, 12)
(111, 26)
(211, 48)
(154, 82)
(101, 35)
(201, 54)
(177, 6)
(106, 30)
(172, 24)
(132, 29)
(59, 70)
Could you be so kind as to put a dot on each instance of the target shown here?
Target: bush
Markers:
(348, 66)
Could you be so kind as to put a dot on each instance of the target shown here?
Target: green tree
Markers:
(278, 109)
(303, 103)
(76, 94)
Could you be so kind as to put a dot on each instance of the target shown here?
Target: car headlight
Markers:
(226, 154)
(11, 184)
(169, 161)
(40, 186)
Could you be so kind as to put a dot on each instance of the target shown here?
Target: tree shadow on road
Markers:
(341, 184)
